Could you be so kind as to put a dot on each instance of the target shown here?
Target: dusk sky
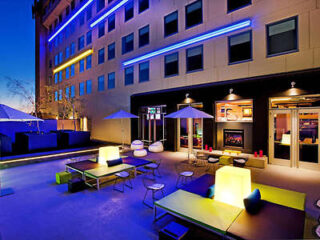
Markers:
(17, 47)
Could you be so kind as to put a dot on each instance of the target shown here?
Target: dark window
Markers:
(80, 43)
(111, 80)
(81, 19)
(110, 1)
(127, 43)
(72, 71)
(101, 56)
(81, 89)
(101, 83)
(171, 64)
(194, 14)
(111, 22)
(67, 73)
(89, 62)
(128, 11)
(73, 91)
(89, 37)
(81, 65)
(282, 37)
(67, 10)
(60, 18)
(89, 12)
(240, 47)
(73, 4)
(195, 58)
(111, 51)
(88, 86)
(143, 5)
(171, 24)
(144, 36)
(100, 5)
(128, 76)
(144, 72)
(101, 29)
(236, 4)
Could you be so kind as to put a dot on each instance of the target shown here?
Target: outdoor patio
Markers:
(40, 209)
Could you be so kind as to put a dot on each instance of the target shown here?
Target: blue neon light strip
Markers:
(70, 20)
(215, 33)
(109, 12)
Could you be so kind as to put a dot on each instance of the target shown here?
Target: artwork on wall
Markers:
(234, 111)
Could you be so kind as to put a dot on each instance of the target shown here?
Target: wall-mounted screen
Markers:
(234, 111)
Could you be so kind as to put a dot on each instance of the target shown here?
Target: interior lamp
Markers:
(233, 184)
(108, 154)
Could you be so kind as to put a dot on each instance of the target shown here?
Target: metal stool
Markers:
(184, 173)
(154, 167)
(125, 176)
(152, 186)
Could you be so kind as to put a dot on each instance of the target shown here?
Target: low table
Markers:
(103, 171)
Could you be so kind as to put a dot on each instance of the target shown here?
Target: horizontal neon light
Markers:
(70, 20)
(73, 60)
(193, 40)
(108, 13)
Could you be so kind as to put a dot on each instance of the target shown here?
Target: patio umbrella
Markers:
(8, 114)
(189, 113)
(121, 115)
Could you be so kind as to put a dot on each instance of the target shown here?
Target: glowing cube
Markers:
(107, 154)
(232, 185)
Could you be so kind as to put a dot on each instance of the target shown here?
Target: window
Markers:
(282, 37)
(143, 5)
(144, 72)
(72, 48)
(67, 10)
(80, 43)
(240, 47)
(67, 52)
(194, 14)
(101, 29)
(195, 58)
(72, 70)
(73, 4)
(50, 63)
(67, 92)
(171, 64)
(127, 43)
(60, 76)
(56, 96)
(73, 91)
(128, 76)
(67, 73)
(237, 4)
(81, 65)
(60, 94)
(81, 19)
(144, 36)
(128, 11)
(111, 22)
(101, 83)
(88, 86)
(171, 24)
(111, 51)
(111, 80)
(81, 89)
(100, 5)
(89, 37)
(60, 18)
(101, 56)
(89, 62)
(56, 78)
(110, 1)
(56, 60)
(60, 57)
(89, 12)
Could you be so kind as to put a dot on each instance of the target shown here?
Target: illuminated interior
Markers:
(234, 111)
(108, 154)
(232, 185)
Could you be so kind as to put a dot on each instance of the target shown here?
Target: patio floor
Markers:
(40, 209)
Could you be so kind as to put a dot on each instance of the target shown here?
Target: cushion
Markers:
(140, 153)
(63, 177)
(241, 161)
(186, 174)
(114, 162)
(213, 160)
(252, 202)
(156, 186)
(225, 160)
(210, 192)
(122, 174)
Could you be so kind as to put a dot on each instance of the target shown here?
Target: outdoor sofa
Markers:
(69, 138)
(33, 141)
(280, 215)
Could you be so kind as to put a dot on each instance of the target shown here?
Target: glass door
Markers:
(280, 137)
(308, 141)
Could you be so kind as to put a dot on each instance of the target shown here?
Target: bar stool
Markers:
(125, 177)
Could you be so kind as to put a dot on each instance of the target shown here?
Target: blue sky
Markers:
(17, 47)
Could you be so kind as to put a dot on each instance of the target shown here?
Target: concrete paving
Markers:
(40, 209)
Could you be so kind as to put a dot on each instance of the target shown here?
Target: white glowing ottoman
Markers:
(140, 153)
(156, 147)
(136, 144)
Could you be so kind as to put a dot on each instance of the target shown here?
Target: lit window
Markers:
(111, 51)
(67, 52)
(237, 4)
(89, 61)
(194, 14)
(81, 65)
(144, 36)
(67, 92)
(60, 76)
(171, 24)
(101, 56)
(89, 37)
(88, 86)
(282, 37)
(240, 47)
(127, 43)
(73, 48)
(143, 5)
(60, 57)
(111, 80)
(144, 72)
(56, 96)
(73, 91)
(128, 76)
(111, 22)
(80, 43)
(67, 72)
(128, 11)
(101, 29)
(56, 60)
(195, 58)
(81, 89)
(60, 94)
(72, 70)
(171, 65)
(56, 78)
(101, 83)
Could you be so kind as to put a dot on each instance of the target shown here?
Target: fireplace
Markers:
(233, 138)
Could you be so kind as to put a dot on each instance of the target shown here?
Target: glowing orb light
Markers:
(232, 185)
(107, 154)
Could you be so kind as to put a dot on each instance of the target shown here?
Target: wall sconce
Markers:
(230, 90)
(188, 100)
(293, 84)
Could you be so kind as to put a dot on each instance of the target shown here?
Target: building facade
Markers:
(253, 64)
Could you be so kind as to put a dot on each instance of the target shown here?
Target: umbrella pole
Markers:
(122, 133)
(190, 138)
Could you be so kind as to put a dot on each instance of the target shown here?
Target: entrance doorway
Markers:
(294, 137)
